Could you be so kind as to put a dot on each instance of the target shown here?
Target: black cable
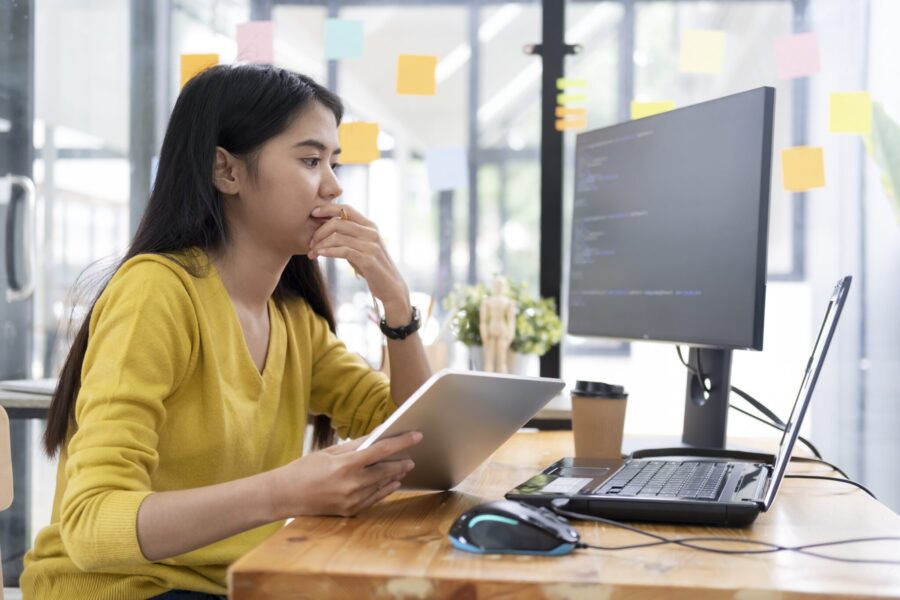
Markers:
(777, 423)
(758, 406)
(691, 542)
(826, 478)
(805, 441)
(820, 461)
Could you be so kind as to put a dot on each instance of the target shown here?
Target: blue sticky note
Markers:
(448, 168)
(343, 39)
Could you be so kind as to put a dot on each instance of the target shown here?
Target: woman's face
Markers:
(295, 174)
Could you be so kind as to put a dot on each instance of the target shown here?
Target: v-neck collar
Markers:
(275, 343)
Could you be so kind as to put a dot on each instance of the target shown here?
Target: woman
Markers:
(181, 408)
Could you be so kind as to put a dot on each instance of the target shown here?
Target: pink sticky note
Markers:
(797, 55)
(256, 42)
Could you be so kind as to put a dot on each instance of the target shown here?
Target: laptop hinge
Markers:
(763, 488)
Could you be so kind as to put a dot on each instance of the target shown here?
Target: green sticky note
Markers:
(343, 39)
(702, 51)
(850, 112)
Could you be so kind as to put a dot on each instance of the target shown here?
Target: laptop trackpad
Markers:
(592, 472)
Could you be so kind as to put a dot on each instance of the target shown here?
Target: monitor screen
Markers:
(670, 224)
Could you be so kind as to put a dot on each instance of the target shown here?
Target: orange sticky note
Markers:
(415, 75)
(702, 51)
(802, 168)
(569, 124)
(850, 112)
(645, 109)
(359, 142)
(192, 64)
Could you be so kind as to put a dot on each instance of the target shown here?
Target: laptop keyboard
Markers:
(667, 479)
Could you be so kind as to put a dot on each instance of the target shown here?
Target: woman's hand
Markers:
(339, 480)
(357, 240)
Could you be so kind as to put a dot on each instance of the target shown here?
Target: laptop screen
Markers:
(813, 366)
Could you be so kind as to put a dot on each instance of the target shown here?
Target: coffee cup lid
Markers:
(599, 389)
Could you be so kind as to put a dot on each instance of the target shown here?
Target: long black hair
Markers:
(237, 108)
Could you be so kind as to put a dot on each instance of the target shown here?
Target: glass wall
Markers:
(95, 131)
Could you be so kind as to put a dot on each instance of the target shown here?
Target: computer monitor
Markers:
(669, 231)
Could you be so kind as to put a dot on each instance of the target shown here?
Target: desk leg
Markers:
(15, 522)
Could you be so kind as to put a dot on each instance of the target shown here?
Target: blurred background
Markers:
(86, 87)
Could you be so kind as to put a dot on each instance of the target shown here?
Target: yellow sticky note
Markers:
(564, 83)
(570, 98)
(850, 112)
(359, 142)
(191, 64)
(415, 75)
(645, 109)
(802, 168)
(702, 51)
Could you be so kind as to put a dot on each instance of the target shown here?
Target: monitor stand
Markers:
(705, 413)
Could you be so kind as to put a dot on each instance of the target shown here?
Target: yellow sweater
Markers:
(171, 399)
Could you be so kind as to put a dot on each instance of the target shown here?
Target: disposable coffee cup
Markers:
(598, 419)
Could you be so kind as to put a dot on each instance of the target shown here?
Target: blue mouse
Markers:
(509, 527)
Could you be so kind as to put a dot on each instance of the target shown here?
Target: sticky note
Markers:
(645, 109)
(564, 83)
(850, 112)
(702, 51)
(415, 75)
(359, 142)
(802, 168)
(562, 111)
(796, 55)
(256, 42)
(567, 124)
(570, 98)
(343, 39)
(192, 64)
(448, 168)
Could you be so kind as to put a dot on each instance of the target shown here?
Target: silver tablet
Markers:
(464, 416)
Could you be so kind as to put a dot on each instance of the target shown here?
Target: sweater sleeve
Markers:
(141, 335)
(344, 387)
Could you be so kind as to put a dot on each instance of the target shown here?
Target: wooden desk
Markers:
(399, 548)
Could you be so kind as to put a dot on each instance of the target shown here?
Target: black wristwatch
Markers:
(399, 333)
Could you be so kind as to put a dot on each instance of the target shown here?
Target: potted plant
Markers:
(538, 326)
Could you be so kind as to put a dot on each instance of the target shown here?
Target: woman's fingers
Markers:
(391, 469)
(384, 448)
(347, 227)
(346, 446)
(377, 496)
(334, 210)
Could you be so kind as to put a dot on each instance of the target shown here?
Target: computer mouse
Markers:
(510, 527)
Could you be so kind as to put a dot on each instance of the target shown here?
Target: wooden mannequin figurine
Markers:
(497, 326)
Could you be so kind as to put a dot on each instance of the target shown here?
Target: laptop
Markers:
(464, 417)
(710, 489)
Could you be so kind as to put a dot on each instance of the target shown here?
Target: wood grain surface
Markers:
(399, 548)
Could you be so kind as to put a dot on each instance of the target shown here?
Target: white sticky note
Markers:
(448, 168)
(702, 51)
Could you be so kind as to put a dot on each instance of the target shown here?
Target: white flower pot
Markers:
(516, 361)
